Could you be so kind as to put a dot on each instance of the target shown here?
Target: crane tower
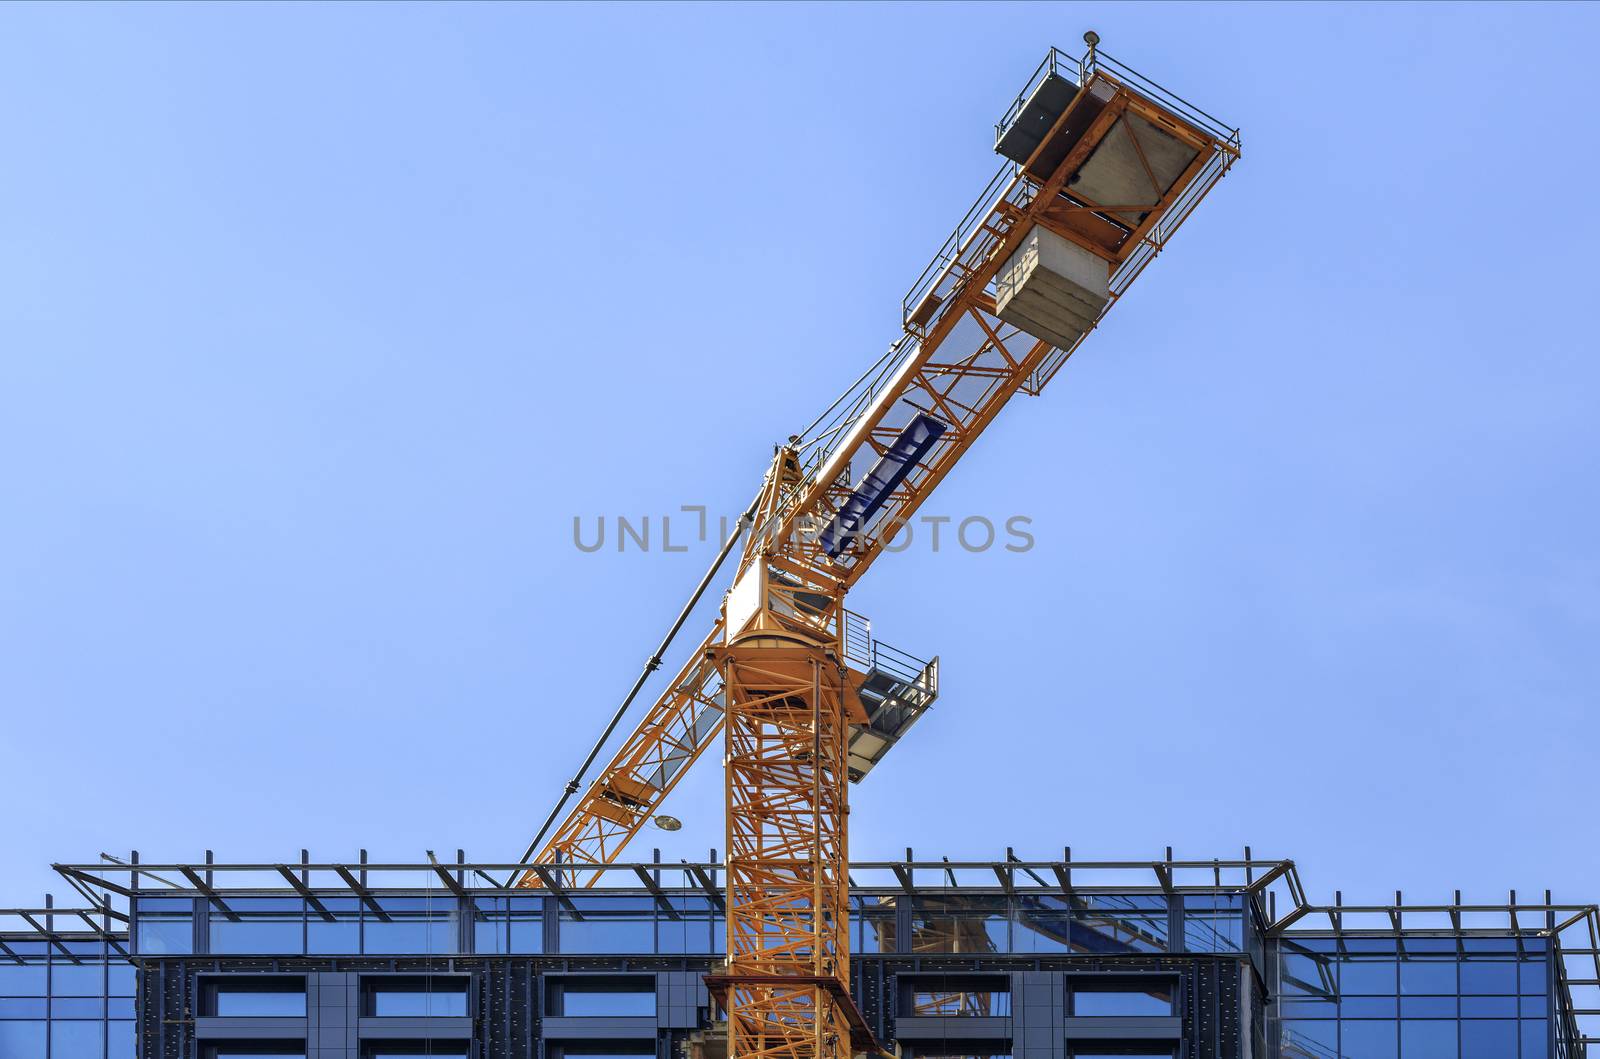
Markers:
(1101, 167)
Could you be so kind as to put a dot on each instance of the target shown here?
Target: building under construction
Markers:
(1061, 958)
(783, 947)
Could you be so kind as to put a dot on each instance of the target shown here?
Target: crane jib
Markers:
(906, 451)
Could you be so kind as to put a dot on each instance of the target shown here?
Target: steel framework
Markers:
(773, 669)
(956, 360)
(1273, 886)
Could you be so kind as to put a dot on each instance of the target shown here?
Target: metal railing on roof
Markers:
(1571, 930)
(125, 880)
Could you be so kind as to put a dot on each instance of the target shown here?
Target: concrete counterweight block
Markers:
(1052, 288)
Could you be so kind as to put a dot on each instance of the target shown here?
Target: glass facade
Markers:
(678, 924)
(72, 999)
(1416, 997)
(1131, 956)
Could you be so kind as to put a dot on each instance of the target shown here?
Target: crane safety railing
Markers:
(986, 222)
(905, 667)
(919, 309)
(857, 640)
(983, 226)
(1219, 162)
(836, 447)
(1081, 68)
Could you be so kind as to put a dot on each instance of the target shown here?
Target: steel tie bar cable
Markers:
(650, 666)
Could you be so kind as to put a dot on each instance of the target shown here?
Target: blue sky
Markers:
(321, 324)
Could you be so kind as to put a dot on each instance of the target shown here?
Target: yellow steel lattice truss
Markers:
(771, 671)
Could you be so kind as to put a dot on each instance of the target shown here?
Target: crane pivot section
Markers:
(1103, 167)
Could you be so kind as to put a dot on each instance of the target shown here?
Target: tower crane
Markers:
(1102, 166)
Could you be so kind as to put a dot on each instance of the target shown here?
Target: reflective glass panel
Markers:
(690, 931)
(23, 1039)
(1043, 924)
(254, 1050)
(250, 996)
(77, 1007)
(1309, 1037)
(875, 933)
(608, 925)
(1306, 973)
(1489, 1007)
(258, 934)
(1095, 1000)
(22, 979)
(1111, 923)
(76, 1040)
(28, 1007)
(1213, 932)
(121, 1040)
(340, 935)
(77, 979)
(1307, 1008)
(166, 936)
(415, 925)
(1367, 1007)
(1429, 1007)
(1488, 976)
(508, 924)
(1425, 1039)
(607, 1003)
(974, 924)
(1535, 1039)
(1419, 977)
(422, 996)
(961, 1003)
(1367, 976)
(1369, 1039)
(1488, 1039)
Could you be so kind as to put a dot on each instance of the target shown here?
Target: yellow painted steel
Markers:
(772, 677)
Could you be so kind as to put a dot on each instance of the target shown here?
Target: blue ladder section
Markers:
(875, 487)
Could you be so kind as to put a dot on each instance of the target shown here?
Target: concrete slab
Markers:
(1052, 288)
